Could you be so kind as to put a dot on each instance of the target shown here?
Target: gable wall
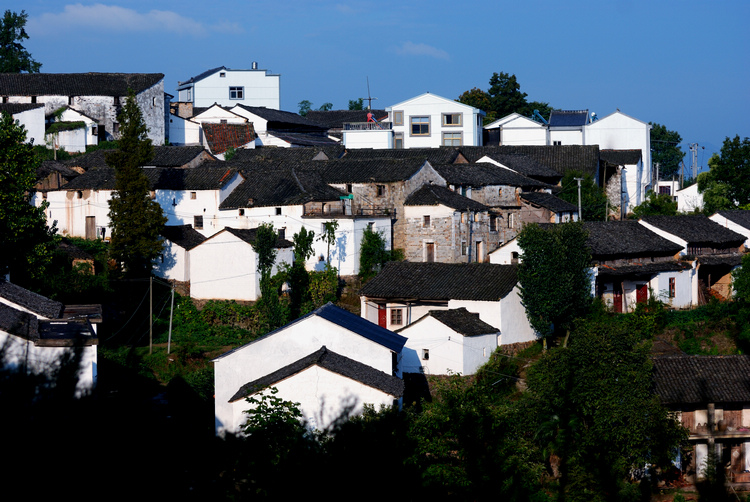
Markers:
(260, 89)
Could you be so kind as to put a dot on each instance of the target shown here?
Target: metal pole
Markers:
(580, 214)
(151, 314)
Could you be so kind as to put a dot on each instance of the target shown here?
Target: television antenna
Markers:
(369, 98)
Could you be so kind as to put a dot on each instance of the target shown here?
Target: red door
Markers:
(617, 299)
(641, 294)
(381, 316)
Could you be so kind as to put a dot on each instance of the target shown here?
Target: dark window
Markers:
(672, 287)
(397, 317)
(222, 74)
(398, 141)
(116, 128)
(236, 93)
(282, 233)
(79, 194)
(278, 211)
(242, 212)
(425, 354)
(193, 195)
(420, 126)
(33, 99)
(349, 188)
(381, 190)
(493, 223)
(426, 221)
(198, 222)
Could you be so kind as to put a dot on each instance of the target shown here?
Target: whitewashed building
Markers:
(228, 87)
(30, 116)
(330, 361)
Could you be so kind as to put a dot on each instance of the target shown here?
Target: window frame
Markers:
(398, 141)
(420, 124)
(198, 222)
(397, 317)
(672, 287)
(452, 141)
(398, 117)
(458, 124)
(426, 221)
(238, 91)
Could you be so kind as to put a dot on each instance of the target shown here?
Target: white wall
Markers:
(371, 138)
(516, 129)
(281, 348)
(515, 327)
(260, 89)
(184, 132)
(33, 121)
(689, 199)
(174, 263)
(70, 212)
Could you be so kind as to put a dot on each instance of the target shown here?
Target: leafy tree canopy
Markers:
(666, 150)
(554, 275)
(14, 58)
(265, 247)
(656, 203)
(372, 253)
(304, 107)
(357, 104)
(503, 97)
(727, 183)
(27, 242)
(593, 198)
(136, 220)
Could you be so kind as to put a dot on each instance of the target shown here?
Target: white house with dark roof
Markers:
(284, 129)
(225, 266)
(737, 220)
(448, 342)
(330, 361)
(174, 262)
(406, 291)
(30, 116)
(37, 336)
(99, 96)
(229, 87)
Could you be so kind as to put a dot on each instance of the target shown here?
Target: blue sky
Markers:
(684, 64)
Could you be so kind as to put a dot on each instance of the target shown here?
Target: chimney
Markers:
(255, 65)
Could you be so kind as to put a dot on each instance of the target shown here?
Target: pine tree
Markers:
(136, 220)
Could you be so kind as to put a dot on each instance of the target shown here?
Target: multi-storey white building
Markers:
(228, 87)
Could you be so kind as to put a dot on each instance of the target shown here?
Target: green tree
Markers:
(554, 275)
(592, 407)
(357, 104)
(479, 99)
(329, 236)
(727, 183)
(14, 58)
(304, 107)
(325, 107)
(503, 97)
(299, 277)
(136, 220)
(656, 203)
(27, 241)
(372, 253)
(265, 247)
(593, 198)
(666, 150)
(741, 280)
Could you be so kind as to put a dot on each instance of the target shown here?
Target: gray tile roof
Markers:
(210, 176)
(13, 108)
(279, 185)
(442, 155)
(463, 322)
(330, 361)
(305, 139)
(643, 269)
(184, 236)
(278, 154)
(369, 171)
(699, 380)
(738, 216)
(568, 118)
(621, 157)
(626, 239)
(34, 302)
(442, 281)
(485, 174)
(249, 235)
(433, 195)
(697, 230)
(549, 201)
(76, 84)
(164, 156)
(281, 120)
(560, 158)
(44, 333)
(221, 137)
(348, 321)
(335, 119)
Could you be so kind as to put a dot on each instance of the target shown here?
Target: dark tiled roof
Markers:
(568, 118)
(281, 120)
(222, 137)
(279, 185)
(72, 251)
(369, 171)
(484, 174)
(249, 235)
(304, 139)
(13, 108)
(164, 156)
(442, 281)
(278, 154)
(621, 157)
(560, 158)
(76, 84)
(45, 333)
(527, 166)
(184, 236)
(19, 323)
(697, 230)
(463, 322)
(644, 269)
(350, 322)
(335, 119)
(330, 361)
(702, 379)
(30, 300)
(549, 201)
(48, 167)
(738, 216)
(730, 260)
(432, 195)
(211, 176)
(627, 238)
(442, 155)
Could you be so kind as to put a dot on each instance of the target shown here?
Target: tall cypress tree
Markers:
(136, 220)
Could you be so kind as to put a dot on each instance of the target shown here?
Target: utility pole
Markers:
(171, 316)
(151, 314)
(580, 214)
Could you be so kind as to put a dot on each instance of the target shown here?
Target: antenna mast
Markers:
(369, 98)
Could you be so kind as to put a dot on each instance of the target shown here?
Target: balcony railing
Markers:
(338, 211)
(368, 126)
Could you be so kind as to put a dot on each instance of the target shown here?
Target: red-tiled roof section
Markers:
(222, 137)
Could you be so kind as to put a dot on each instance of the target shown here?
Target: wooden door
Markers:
(91, 227)
(641, 293)
(382, 319)
(429, 252)
(617, 298)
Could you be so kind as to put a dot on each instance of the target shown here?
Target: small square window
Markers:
(116, 128)
(452, 119)
(193, 195)
(381, 190)
(282, 233)
(278, 211)
(198, 222)
(349, 188)
(425, 354)
(236, 93)
(557, 143)
(79, 194)
(397, 317)
(420, 126)
(426, 221)
(452, 139)
(242, 212)
(398, 141)
(370, 225)
(398, 118)
(222, 74)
